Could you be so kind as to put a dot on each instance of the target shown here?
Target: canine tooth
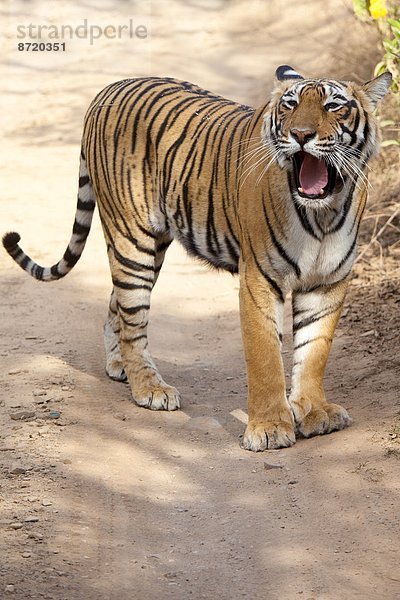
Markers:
(321, 192)
(301, 190)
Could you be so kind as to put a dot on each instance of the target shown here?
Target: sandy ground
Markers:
(100, 499)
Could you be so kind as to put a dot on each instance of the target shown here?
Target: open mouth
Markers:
(314, 178)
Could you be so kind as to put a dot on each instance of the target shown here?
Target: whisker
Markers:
(273, 159)
(250, 168)
(351, 165)
(245, 141)
(266, 150)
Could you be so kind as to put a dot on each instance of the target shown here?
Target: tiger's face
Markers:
(322, 132)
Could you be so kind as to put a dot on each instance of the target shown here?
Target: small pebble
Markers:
(26, 554)
(54, 414)
(46, 502)
(268, 466)
(10, 588)
(31, 519)
(16, 525)
(22, 414)
(18, 470)
(36, 536)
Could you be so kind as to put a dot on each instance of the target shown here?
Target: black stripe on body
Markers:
(206, 145)
(142, 325)
(129, 263)
(319, 337)
(347, 255)
(315, 317)
(213, 246)
(345, 210)
(124, 285)
(133, 310)
(137, 276)
(271, 281)
(278, 246)
(358, 216)
(233, 253)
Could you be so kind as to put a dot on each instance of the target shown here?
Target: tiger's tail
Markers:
(83, 219)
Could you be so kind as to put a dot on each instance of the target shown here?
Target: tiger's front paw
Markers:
(325, 419)
(158, 397)
(268, 435)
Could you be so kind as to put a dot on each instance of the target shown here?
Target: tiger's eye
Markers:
(332, 106)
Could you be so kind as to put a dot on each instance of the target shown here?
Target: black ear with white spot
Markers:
(377, 88)
(284, 73)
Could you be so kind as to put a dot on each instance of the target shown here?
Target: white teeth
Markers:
(301, 190)
(321, 192)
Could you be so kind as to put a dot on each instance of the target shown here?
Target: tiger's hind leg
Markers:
(114, 366)
(134, 271)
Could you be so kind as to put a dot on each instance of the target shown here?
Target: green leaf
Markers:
(360, 8)
(386, 122)
(390, 143)
(394, 23)
(380, 68)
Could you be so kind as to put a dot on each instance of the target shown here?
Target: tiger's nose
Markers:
(302, 136)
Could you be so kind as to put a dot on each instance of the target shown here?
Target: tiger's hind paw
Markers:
(160, 397)
(115, 370)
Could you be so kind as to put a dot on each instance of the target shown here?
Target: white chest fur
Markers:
(320, 257)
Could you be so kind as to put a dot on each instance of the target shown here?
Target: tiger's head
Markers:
(323, 132)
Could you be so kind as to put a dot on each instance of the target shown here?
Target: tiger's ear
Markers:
(284, 73)
(377, 88)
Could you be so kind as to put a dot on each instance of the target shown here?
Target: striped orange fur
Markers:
(275, 193)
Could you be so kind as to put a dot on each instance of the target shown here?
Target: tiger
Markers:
(275, 194)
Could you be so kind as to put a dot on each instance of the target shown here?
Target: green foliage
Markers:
(386, 17)
(361, 9)
(391, 59)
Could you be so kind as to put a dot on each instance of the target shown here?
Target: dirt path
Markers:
(102, 500)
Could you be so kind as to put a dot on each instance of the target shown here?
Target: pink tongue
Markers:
(313, 174)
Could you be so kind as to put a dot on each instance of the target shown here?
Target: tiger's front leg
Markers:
(315, 315)
(271, 422)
